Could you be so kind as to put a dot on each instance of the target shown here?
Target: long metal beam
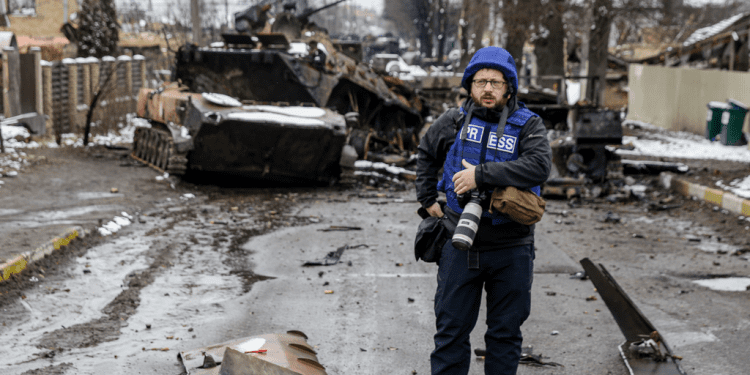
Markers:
(644, 351)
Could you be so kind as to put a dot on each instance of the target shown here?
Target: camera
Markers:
(468, 223)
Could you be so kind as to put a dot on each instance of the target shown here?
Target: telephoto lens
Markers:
(468, 223)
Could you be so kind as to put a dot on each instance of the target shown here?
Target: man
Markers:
(504, 144)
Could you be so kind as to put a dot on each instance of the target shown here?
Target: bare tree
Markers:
(473, 23)
(548, 40)
(519, 18)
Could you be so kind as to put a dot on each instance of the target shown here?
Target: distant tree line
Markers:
(556, 28)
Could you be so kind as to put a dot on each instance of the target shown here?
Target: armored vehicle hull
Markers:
(389, 112)
(215, 133)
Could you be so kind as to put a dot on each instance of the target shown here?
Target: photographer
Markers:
(491, 141)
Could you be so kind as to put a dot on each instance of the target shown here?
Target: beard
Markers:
(489, 100)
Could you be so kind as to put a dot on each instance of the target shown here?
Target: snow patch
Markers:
(117, 223)
(307, 112)
(274, 118)
(729, 284)
(738, 187)
(683, 145)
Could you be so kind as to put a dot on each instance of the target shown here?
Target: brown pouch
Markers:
(521, 206)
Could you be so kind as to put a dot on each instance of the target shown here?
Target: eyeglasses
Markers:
(483, 82)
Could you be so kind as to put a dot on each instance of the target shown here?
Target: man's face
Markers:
(488, 96)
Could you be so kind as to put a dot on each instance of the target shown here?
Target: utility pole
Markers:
(442, 15)
(65, 10)
(196, 19)
(4, 22)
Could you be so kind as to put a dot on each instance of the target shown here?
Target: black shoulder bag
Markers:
(432, 233)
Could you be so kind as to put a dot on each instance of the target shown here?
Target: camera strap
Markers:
(464, 134)
(473, 259)
(465, 128)
(501, 127)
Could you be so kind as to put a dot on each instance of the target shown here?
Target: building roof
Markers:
(715, 29)
(8, 39)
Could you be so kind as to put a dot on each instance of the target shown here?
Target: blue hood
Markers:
(492, 58)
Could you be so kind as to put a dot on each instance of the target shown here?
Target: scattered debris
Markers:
(332, 257)
(527, 357)
(338, 228)
(644, 350)
(663, 207)
(651, 167)
(611, 217)
(564, 186)
(208, 361)
(580, 275)
(584, 156)
(536, 361)
(287, 353)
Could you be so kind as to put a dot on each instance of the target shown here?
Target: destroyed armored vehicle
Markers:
(212, 132)
(293, 61)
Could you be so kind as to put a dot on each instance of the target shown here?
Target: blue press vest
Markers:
(481, 146)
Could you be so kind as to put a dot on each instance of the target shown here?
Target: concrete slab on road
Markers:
(378, 317)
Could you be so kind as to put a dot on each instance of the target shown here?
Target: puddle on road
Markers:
(728, 284)
(192, 287)
(97, 195)
(57, 217)
(702, 238)
(76, 300)
(716, 247)
(70, 212)
(7, 211)
(40, 217)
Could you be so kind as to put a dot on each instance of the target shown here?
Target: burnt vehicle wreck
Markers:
(215, 133)
(286, 68)
(584, 156)
(294, 61)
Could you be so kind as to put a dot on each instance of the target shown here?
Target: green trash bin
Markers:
(718, 114)
(731, 131)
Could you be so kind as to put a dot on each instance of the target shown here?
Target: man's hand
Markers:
(464, 181)
(435, 210)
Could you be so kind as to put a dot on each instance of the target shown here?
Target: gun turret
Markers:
(305, 15)
(253, 19)
(292, 25)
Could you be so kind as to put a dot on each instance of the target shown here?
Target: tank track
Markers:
(155, 148)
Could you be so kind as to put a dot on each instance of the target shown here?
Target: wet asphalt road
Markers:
(224, 265)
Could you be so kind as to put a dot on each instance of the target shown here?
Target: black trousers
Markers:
(506, 274)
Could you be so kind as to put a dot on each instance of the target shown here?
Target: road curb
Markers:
(18, 263)
(721, 198)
